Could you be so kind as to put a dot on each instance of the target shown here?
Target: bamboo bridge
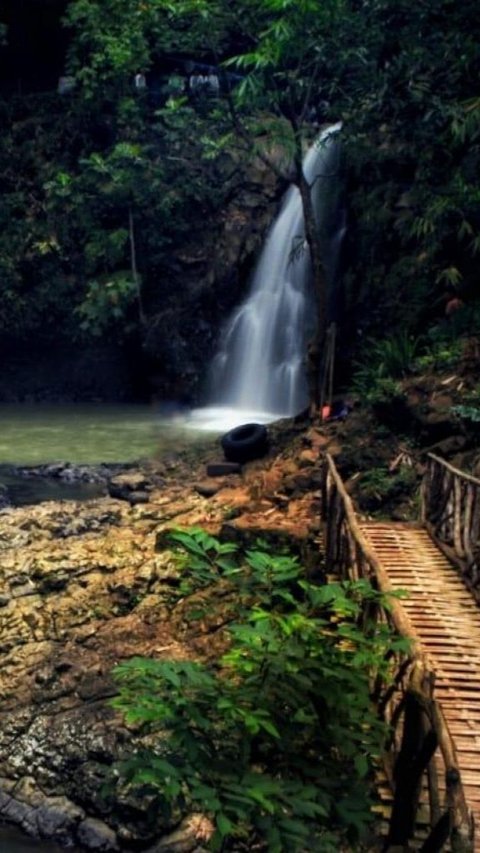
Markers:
(430, 779)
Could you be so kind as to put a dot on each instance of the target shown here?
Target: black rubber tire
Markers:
(246, 442)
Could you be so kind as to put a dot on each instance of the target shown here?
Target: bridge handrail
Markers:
(361, 562)
(415, 718)
(451, 514)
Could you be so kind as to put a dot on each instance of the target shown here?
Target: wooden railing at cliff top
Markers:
(451, 514)
(417, 726)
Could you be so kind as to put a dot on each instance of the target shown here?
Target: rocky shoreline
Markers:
(85, 585)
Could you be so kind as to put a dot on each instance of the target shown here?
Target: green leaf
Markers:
(224, 825)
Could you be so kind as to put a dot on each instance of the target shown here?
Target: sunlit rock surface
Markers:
(83, 586)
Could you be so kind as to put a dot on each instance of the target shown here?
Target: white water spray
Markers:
(259, 373)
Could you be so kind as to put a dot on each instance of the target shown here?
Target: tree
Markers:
(276, 104)
(403, 80)
(282, 65)
(412, 142)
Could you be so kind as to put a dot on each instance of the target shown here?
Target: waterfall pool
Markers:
(81, 433)
(35, 435)
(219, 419)
(12, 841)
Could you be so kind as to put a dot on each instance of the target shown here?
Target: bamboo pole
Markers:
(424, 725)
(400, 618)
(459, 473)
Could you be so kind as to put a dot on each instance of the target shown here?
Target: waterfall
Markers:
(258, 374)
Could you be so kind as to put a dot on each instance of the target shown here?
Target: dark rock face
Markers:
(4, 497)
(189, 291)
(207, 276)
(58, 371)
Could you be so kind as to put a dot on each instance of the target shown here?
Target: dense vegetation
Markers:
(263, 741)
(107, 196)
(95, 207)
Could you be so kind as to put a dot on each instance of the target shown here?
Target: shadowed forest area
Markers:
(182, 669)
(131, 217)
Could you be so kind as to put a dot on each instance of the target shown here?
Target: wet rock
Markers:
(208, 488)
(219, 469)
(189, 837)
(96, 835)
(57, 817)
(53, 583)
(132, 487)
(68, 472)
(138, 498)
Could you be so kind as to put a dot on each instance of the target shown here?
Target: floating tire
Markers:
(246, 442)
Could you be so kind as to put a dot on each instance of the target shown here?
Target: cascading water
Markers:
(258, 373)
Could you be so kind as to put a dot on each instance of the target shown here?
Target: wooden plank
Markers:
(444, 620)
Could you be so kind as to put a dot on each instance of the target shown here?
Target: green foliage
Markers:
(106, 301)
(444, 345)
(275, 740)
(440, 354)
(413, 146)
(383, 363)
(68, 193)
(379, 486)
(469, 410)
(402, 78)
(394, 355)
(467, 413)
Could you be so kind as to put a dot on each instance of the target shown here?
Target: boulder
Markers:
(220, 469)
(132, 487)
(94, 834)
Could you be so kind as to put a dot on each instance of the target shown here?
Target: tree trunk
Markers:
(317, 344)
(134, 268)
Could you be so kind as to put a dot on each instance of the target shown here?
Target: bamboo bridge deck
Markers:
(431, 761)
(446, 619)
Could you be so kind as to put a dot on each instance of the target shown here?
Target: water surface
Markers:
(36, 434)
(12, 841)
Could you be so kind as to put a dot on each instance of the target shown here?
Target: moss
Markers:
(379, 489)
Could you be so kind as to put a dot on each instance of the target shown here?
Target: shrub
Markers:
(379, 487)
(383, 363)
(275, 741)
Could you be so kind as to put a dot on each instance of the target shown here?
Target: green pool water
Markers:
(35, 434)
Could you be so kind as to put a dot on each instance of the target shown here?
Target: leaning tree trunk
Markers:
(317, 344)
(134, 269)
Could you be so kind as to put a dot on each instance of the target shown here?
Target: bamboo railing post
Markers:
(451, 514)
(407, 776)
(409, 697)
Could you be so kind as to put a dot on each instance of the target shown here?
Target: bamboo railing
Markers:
(417, 727)
(451, 514)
